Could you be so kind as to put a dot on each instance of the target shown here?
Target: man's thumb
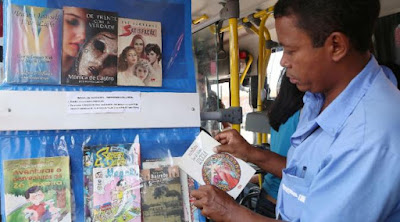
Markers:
(219, 149)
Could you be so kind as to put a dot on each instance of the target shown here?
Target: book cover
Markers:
(222, 170)
(195, 213)
(102, 156)
(188, 206)
(90, 47)
(139, 53)
(116, 194)
(37, 189)
(162, 194)
(33, 45)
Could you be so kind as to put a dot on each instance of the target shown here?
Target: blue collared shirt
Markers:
(344, 162)
(280, 144)
(389, 74)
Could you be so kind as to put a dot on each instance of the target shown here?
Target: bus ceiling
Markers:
(210, 10)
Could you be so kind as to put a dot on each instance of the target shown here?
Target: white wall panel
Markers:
(44, 110)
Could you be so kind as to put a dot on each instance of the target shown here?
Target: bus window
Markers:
(222, 90)
(274, 71)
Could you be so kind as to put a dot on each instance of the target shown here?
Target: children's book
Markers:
(116, 195)
(162, 194)
(33, 54)
(90, 47)
(139, 53)
(106, 156)
(222, 170)
(37, 189)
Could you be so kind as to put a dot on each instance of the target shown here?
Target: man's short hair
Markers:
(320, 18)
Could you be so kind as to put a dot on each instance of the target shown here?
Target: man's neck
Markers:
(346, 71)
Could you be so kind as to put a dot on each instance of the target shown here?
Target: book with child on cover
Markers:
(37, 189)
(33, 54)
(107, 157)
(116, 194)
(139, 53)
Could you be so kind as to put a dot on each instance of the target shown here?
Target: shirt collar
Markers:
(312, 105)
(334, 116)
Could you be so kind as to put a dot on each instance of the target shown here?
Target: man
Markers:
(343, 163)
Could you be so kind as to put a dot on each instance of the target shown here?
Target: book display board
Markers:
(87, 85)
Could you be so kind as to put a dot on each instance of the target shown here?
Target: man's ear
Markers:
(338, 44)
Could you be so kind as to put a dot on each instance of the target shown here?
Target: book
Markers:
(116, 195)
(222, 170)
(184, 180)
(162, 194)
(139, 53)
(89, 47)
(106, 156)
(37, 189)
(33, 53)
(195, 213)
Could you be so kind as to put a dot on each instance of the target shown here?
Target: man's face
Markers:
(307, 67)
(99, 56)
(36, 198)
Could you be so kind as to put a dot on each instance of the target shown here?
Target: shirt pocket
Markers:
(292, 194)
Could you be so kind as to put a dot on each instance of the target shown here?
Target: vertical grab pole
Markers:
(231, 12)
(234, 66)
(267, 55)
(261, 73)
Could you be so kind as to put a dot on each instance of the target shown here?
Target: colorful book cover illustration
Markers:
(116, 194)
(103, 156)
(222, 170)
(195, 213)
(89, 47)
(139, 53)
(37, 189)
(162, 194)
(33, 53)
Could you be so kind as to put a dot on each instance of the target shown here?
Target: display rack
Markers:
(36, 121)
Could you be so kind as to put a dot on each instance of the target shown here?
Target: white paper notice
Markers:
(103, 102)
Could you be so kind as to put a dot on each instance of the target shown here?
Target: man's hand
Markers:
(232, 142)
(220, 207)
(214, 203)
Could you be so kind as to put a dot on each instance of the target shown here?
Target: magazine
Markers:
(106, 156)
(34, 45)
(89, 47)
(139, 53)
(162, 194)
(116, 194)
(222, 170)
(37, 189)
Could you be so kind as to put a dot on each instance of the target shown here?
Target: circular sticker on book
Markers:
(221, 170)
